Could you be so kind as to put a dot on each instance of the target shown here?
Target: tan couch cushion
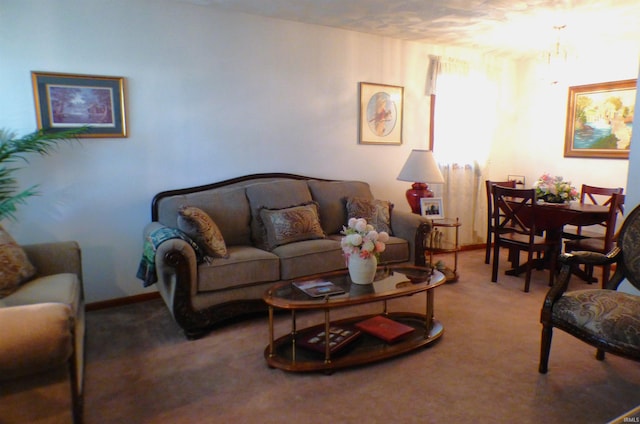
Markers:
(228, 208)
(309, 257)
(246, 265)
(15, 267)
(35, 338)
(331, 196)
(200, 227)
(62, 288)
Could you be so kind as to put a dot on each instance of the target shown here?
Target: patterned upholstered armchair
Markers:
(605, 318)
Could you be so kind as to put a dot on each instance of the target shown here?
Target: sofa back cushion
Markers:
(273, 195)
(331, 197)
(227, 206)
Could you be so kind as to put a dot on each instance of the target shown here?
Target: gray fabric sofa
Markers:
(202, 294)
(43, 328)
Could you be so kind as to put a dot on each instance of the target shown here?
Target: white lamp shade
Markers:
(421, 167)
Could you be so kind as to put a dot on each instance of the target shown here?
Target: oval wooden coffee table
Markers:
(287, 352)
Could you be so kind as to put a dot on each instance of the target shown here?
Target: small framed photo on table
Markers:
(432, 207)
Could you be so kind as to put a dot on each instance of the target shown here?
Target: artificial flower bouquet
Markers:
(555, 189)
(362, 239)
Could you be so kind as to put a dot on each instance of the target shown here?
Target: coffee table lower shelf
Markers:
(366, 349)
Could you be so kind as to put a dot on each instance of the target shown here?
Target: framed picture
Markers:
(66, 101)
(599, 120)
(432, 208)
(519, 180)
(380, 113)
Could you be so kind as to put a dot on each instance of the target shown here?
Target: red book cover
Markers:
(387, 329)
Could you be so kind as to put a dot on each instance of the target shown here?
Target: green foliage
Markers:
(608, 142)
(14, 149)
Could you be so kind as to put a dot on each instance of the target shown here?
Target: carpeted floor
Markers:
(141, 369)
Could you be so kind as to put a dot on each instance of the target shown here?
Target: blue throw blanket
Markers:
(147, 268)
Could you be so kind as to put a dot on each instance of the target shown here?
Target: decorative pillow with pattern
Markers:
(15, 267)
(297, 223)
(376, 212)
(198, 225)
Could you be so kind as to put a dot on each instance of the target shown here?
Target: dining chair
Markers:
(600, 243)
(596, 196)
(605, 318)
(515, 228)
(489, 192)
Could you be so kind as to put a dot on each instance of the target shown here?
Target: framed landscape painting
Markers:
(65, 101)
(600, 119)
(380, 113)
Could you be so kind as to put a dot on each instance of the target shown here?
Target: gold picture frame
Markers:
(381, 110)
(599, 120)
(65, 101)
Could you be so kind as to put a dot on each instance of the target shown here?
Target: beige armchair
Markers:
(42, 327)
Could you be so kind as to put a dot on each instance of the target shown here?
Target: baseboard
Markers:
(121, 301)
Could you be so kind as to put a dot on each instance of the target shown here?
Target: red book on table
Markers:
(384, 328)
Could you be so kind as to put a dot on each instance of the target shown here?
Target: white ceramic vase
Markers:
(362, 271)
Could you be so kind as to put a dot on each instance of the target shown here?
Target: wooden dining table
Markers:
(552, 217)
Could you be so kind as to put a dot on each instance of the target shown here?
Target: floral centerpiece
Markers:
(362, 239)
(555, 189)
(362, 246)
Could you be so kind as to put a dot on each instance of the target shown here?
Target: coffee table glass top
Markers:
(390, 281)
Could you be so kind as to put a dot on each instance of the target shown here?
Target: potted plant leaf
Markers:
(14, 149)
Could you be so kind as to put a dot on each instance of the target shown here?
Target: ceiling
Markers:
(512, 27)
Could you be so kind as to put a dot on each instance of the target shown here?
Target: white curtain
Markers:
(465, 118)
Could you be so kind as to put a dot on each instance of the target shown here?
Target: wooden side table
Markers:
(436, 244)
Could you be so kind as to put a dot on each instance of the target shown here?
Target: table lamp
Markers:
(420, 168)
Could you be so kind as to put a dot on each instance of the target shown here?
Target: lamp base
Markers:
(415, 193)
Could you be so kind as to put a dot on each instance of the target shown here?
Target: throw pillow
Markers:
(198, 225)
(376, 212)
(15, 267)
(297, 223)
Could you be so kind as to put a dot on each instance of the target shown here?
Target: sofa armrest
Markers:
(55, 258)
(34, 338)
(177, 271)
(413, 228)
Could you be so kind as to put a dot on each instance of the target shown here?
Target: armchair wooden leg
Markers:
(545, 348)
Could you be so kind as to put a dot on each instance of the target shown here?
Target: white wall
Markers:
(210, 96)
(537, 144)
(633, 188)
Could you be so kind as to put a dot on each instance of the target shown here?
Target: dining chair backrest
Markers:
(615, 206)
(515, 218)
(512, 206)
(489, 192)
(601, 196)
(598, 242)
